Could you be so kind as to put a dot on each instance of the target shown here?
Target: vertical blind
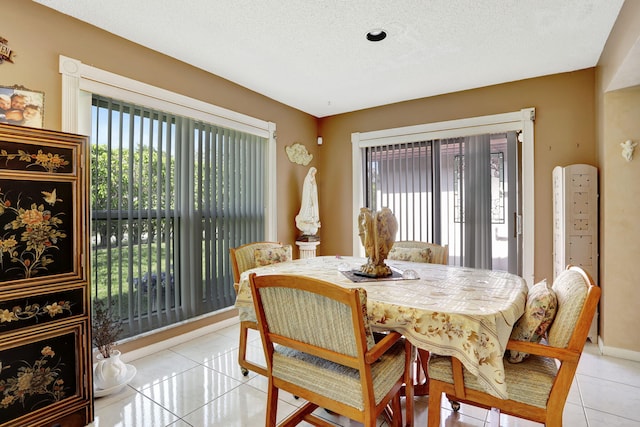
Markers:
(447, 191)
(170, 195)
(400, 177)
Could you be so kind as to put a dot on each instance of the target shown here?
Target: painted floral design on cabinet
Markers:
(33, 239)
(35, 375)
(36, 310)
(20, 157)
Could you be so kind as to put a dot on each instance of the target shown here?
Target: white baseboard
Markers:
(177, 340)
(620, 353)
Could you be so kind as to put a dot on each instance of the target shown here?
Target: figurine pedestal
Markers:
(307, 249)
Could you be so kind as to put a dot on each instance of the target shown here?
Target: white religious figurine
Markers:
(308, 219)
(627, 149)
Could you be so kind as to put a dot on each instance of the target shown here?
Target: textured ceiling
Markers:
(313, 54)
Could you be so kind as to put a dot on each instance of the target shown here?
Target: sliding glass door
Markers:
(463, 192)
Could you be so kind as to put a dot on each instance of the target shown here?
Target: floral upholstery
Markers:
(272, 255)
(411, 250)
(538, 315)
(243, 257)
(410, 254)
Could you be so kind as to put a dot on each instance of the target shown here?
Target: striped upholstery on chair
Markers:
(337, 381)
(571, 292)
(244, 255)
(243, 259)
(527, 382)
(319, 346)
(286, 310)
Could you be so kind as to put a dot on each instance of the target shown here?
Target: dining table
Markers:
(466, 313)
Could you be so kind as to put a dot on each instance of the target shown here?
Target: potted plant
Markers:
(106, 327)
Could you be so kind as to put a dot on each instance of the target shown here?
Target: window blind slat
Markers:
(171, 196)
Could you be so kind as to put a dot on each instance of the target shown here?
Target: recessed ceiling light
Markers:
(376, 35)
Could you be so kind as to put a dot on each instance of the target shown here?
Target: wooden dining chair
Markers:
(538, 386)
(244, 258)
(433, 253)
(319, 346)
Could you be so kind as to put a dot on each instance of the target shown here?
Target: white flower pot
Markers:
(109, 372)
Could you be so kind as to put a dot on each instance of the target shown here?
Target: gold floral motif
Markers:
(7, 316)
(48, 161)
(38, 231)
(38, 379)
(31, 311)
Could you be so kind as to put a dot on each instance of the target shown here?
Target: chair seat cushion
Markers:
(528, 382)
(337, 381)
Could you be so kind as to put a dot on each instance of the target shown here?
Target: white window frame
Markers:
(80, 81)
(513, 121)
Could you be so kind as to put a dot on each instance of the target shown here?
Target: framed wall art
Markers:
(21, 106)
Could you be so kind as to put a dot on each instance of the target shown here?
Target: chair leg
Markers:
(409, 385)
(245, 365)
(422, 375)
(433, 410)
(272, 403)
(242, 351)
(554, 419)
(371, 421)
(397, 411)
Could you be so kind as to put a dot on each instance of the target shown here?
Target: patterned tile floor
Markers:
(198, 383)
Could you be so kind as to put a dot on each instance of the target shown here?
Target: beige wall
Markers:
(620, 226)
(39, 35)
(564, 134)
(618, 119)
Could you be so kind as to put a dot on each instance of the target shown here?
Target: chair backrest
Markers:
(577, 301)
(243, 257)
(437, 254)
(326, 353)
(538, 387)
(312, 316)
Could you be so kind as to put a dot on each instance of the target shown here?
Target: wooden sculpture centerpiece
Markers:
(377, 231)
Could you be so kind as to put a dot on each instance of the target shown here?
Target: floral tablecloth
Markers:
(451, 311)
